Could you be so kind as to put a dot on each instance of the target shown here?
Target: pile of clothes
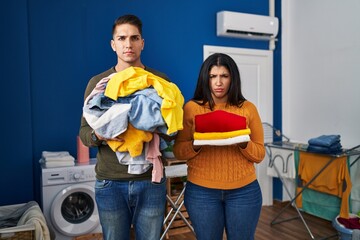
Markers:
(56, 159)
(327, 144)
(135, 105)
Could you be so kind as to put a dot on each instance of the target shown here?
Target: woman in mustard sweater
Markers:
(222, 192)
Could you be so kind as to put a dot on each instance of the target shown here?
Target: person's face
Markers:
(219, 82)
(128, 44)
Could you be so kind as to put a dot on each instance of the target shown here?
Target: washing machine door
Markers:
(74, 211)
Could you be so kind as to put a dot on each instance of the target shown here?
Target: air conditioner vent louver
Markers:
(250, 33)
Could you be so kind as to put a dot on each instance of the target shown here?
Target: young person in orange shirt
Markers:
(222, 192)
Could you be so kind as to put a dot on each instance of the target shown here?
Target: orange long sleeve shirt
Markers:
(221, 167)
(334, 180)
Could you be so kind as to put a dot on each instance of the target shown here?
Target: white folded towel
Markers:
(57, 156)
(46, 154)
(223, 142)
(51, 164)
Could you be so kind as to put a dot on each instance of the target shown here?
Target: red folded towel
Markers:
(219, 121)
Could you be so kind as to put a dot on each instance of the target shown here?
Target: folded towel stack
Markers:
(220, 128)
(57, 159)
(329, 144)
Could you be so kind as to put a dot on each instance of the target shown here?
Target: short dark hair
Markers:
(202, 92)
(130, 19)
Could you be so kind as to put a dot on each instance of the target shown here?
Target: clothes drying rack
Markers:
(270, 134)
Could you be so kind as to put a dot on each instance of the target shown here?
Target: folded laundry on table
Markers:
(57, 156)
(325, 140)
(328, 144)
(56, 159)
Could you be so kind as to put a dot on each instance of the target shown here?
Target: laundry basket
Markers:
(344, 233)
(18, 233)
(21, 231)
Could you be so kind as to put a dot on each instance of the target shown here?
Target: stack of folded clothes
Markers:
(220, 128)
(57, 159)
(329, 144)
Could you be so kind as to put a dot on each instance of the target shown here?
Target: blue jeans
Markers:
(125, 203)
(213, 210)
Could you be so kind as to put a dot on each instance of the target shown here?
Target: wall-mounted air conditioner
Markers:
(243, 25)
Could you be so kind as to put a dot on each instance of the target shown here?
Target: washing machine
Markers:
(68, 200)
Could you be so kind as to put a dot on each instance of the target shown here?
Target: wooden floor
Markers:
(289, 230)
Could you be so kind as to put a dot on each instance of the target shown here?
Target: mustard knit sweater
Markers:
(221, 167)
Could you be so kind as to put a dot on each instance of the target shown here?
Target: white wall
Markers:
(321, 69)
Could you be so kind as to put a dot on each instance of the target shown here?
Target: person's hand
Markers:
(118, 139)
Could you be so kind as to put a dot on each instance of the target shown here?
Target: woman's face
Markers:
(219, 82)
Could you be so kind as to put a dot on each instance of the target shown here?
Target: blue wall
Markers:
(50, 49)
(16, 164)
